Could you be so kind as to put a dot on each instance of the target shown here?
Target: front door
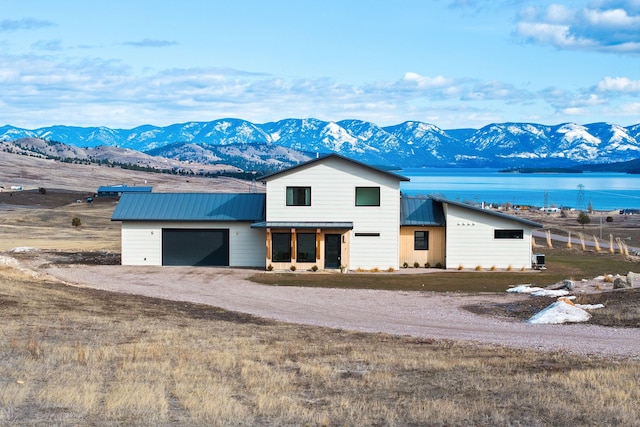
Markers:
(332, 250)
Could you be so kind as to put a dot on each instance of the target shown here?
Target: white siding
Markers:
(470, 241)
(333, 183)
(142, 242)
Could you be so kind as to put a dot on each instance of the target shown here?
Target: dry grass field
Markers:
(72, 356)
(75, 357)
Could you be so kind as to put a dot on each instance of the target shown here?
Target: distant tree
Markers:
(583, 219)
(76, 222)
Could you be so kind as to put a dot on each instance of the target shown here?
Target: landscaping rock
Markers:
(618, 283)
(568, 284)
(633, 278)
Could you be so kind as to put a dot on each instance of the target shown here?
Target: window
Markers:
(367, 196)
(306, 247)
(298, 196)
(281, 247)
(367, 234)
(421, 240)
(508, 234)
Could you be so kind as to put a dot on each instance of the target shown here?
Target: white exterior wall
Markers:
(142, 242)
(333, 183)
(470, 241)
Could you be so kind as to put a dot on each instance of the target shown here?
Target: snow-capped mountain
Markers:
(410, 144)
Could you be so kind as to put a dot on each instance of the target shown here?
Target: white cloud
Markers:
(607, 27)
(619, 84)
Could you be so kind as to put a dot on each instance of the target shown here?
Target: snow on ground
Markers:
(538, 292)
(561, 311)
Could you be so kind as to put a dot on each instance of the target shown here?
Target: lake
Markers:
(604, 190)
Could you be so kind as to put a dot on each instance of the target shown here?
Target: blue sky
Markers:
(452, 63)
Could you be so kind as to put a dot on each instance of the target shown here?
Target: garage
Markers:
(195, 247)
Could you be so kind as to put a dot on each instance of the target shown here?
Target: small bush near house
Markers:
(416, 264)
(270, 267)
(292, 268)
(460, 267)
(405, 265)
(478, 268)
(439, 265)
(427, 265)
(314, 268)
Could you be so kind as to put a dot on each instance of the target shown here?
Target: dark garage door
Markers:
(195, 247)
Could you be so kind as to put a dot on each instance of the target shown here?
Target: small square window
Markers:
(421, 240)
(367, 196)
(298, 196)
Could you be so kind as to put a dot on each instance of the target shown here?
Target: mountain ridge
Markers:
(274, 145)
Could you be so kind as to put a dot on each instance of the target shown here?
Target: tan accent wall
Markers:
(435, 254)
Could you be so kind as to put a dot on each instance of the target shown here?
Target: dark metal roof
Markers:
(489, 212)
(421, 211)
(190, 207)
(123, 189)
(334, 156)
(305, 224)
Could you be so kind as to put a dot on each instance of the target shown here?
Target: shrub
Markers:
(42, 190)
(439, 265)
(76, 222)
(583, 219)
(390, 270)
(405, 264)
(416, 264)
(427, 265)
(510, 268)
(478, 268)
(460, 267)
(314, 268)
(609, 219)
(494, 268)
(270, 267)
(292, 268)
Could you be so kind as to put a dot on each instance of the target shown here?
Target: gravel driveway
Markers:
(427, 315)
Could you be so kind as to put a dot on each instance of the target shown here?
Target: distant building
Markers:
(119, 190)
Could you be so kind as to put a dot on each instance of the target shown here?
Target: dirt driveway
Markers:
(427, 315)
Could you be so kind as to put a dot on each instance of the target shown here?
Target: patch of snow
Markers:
(560, 312)
(537, 292)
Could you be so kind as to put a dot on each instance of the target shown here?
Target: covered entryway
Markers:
(195, 247)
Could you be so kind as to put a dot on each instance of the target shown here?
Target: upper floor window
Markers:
(298, 196)
(508, 234)
(367, 196)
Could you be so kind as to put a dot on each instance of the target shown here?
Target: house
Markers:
(119, 190)
(331, 212)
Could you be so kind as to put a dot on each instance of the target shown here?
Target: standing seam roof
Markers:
(190, 207)
(421, 211)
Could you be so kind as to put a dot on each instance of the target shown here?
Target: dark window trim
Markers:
(367, 234)
(516, 234)
(370, 188)
(425, 241)
(273, 252)
(313, 258)
(293, 188)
